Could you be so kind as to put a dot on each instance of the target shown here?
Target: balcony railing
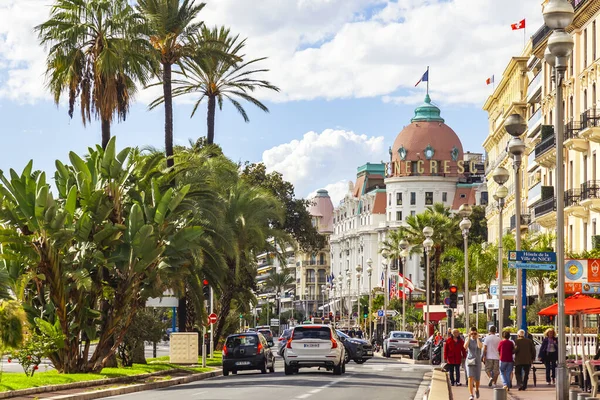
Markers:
(535, 117)
(525, 219)
(314, 263)
(491, 165)
(540, 35)
(572, 130)
(545, 145)
(590, 118)
(544, 207)
(590, 190)
(572, 197)
(534, 83)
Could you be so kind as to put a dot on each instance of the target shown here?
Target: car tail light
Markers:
(259, 348)
(413, 342)
(393, 341)
(224, 350)
(289, 344)
(334, 344)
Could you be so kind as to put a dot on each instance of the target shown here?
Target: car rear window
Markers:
(266, 332)
(402, 335)
(246, 340)
(323, 333)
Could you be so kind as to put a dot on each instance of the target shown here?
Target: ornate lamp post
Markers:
(278, 299)
(385, 295)
(500, 176)
(323, 287)
(465, 212)
(293, 305)
(404, 255)
(305, 303)
(370, 272)
(359, 269)
(340, 285)
(427, 245)
(558, 15)
(349, 283)
(515, 125)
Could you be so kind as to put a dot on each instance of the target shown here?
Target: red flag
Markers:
(489, 80)
(518, 25)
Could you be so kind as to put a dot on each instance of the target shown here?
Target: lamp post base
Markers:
(562, 382)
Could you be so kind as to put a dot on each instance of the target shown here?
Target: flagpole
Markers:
(428, 79)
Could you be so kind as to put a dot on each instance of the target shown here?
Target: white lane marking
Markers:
(199, 393)
(317, 390)
(303, 396)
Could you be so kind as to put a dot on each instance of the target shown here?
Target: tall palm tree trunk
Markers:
(225, 303)
(210, 119)
(168, 96)
(105, 132)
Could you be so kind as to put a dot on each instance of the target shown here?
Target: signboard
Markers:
(391, 313)
(274, 322)
(212, 318)
(162, 302)
(447, 301)
(539, 257)
(492, 304)
(507, 290)
(534, 266)
(380, 313)
(582, 276)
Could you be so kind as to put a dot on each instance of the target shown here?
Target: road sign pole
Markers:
(212, 338)
(204, 341)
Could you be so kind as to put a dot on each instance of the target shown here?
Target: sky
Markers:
(346, 69)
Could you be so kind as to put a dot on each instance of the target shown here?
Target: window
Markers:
(570, 237)
(594, 40)
(390, 199)
(571, 108)
(570, 174)
(399, 198)
(463, 196)
(428, 198)
(585, 48)
(585, 236)
(413, 213)
(413, 198)
(570, 66)
(444, 197)
(321, 260)
(585, 168)
(594, 166)
(398, 215)
(585, 107)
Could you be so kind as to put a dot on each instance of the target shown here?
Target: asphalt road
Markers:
(377, 379)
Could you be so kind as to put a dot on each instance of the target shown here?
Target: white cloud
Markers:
(329, 48)
(316, 160)
(337, 191)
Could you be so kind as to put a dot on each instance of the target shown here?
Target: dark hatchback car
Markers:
(247, 351)
(358, 350)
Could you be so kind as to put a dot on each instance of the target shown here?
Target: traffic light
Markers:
(365, 315)
(453, 296)
(205, 289)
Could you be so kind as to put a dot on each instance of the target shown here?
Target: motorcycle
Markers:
(431, 348)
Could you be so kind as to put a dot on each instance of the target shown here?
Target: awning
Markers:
(328, 305)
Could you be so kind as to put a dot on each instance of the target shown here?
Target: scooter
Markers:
(435, 350)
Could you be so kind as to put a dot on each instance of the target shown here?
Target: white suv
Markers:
(314, 346)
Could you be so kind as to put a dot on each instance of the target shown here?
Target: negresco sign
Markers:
(435, 167)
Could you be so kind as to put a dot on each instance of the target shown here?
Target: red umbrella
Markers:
(578, 303)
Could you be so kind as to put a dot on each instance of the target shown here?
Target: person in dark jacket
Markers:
(549, 355)
(454, 354)
(524, 356)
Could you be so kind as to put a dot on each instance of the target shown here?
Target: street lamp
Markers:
(349, 283)
(404, 255)
(359, 269)
(427, 245)
(465, 212)
(370, 272)
(278, 299)
(558, 15)
(385, 296)
(323, 297)
(515, 125)
(293, 298)
(500, 176)
(305, 303)
(341, 296)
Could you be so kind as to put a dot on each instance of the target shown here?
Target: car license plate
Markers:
(369, 353)
(242, 363)
(311, 345)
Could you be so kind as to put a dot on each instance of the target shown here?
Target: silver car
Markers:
(399, 342)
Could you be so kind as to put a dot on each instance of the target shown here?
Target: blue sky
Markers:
(347, 70)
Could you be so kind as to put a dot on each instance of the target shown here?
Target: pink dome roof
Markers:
(322, 208)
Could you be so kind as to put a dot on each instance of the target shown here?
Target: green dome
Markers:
(427, 112)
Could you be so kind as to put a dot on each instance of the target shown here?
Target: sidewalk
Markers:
(542, 391)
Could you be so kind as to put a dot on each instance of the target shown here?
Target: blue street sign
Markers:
(540, 257)
(380, 313)
(524, 265)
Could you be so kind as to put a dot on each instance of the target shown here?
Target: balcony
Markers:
(545, 213)
(525, 219)
(491, 165)
(590, 125)
(572, 204)
(535, 122)
(572, 139)
(540, 35)
(590, 195)
(545, 152)
(534, 193)
(314, 263)
(534, 90)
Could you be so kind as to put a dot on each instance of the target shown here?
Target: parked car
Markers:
(314, 346)
(247, 351)
(399, 342)
(282, 341)
(358, 350)
(268, 334)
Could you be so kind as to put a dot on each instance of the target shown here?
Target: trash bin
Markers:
(415, 353)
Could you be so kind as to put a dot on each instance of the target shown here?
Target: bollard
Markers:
(499, 394)
(573, 394)
(583, 396)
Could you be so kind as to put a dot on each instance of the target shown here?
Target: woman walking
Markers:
(474, 348)
(506, 349)
(549, 355)
(454, 354)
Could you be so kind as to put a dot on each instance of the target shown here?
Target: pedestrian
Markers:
(359, 333)
(449, 334)
(454, 354)
(524, 356)
(549, 355)
(473, 365)
(438, 338)
(491, 357)
(506, 349)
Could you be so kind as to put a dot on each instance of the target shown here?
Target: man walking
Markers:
(491, 356)
(524, 356)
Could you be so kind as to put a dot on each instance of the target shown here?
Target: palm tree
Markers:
(216, 76)
(278, 281)
(97, 54)
(171, 24)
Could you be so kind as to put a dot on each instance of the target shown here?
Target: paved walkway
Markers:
(486, 393)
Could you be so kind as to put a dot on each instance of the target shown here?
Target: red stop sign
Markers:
(212, 318)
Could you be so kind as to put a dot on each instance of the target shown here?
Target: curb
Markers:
(138, 387)
(424, 386)
(83, 384)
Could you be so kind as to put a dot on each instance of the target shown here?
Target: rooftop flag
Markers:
(489, 81)
(424, 78)
(518, 25)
